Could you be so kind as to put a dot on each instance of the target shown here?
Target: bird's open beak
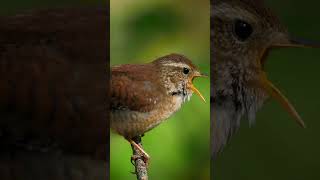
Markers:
(193, 88)
(274, 91)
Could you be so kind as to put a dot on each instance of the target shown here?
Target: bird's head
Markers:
(245, 31)
(177, 74)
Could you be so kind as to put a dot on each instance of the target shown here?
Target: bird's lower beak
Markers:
(193, 88)
(275, 93)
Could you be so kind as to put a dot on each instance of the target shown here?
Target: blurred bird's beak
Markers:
(275, 93)
(297, 42)
(272, 90)
(193, 88)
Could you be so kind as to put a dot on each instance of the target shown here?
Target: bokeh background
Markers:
(276, 147)
(141, 31)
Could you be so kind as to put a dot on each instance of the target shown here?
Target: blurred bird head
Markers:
(245, 31)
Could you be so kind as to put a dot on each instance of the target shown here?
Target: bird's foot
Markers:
(141, 154)
(145, 159)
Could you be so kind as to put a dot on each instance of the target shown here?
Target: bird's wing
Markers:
(134, 87)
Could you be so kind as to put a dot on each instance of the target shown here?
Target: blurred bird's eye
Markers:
(242, 30)
(186, 71)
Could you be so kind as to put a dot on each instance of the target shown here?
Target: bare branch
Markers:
(141, 169)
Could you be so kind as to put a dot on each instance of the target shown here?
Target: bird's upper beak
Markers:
(193, 88)
(295, 42)
(273, 91)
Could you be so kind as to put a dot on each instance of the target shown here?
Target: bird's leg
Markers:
(136, 144)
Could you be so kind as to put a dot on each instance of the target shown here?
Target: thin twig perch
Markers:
(141, 169)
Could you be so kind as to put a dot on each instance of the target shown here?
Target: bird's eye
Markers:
(185, 70)
(242, 30)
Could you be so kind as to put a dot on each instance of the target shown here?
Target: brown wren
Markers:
(242, 34)
(144, 95)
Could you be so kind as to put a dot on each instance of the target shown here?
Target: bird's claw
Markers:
(134, 158)
(142, 157)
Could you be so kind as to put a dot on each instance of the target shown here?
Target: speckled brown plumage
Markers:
(53, 94)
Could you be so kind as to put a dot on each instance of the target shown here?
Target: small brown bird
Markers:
(144, 95)
(242, 34)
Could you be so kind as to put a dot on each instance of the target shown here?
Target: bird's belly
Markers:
(134, 123)
(129, 123)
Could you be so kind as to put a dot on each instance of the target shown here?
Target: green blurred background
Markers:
(141, 31)
(276, 147)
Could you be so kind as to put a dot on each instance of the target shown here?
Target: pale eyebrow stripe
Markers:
(181, 65)
(232, 12)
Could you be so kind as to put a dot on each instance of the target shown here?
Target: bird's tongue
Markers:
(277, 95)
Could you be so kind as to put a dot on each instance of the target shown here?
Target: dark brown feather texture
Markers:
(53, 93)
